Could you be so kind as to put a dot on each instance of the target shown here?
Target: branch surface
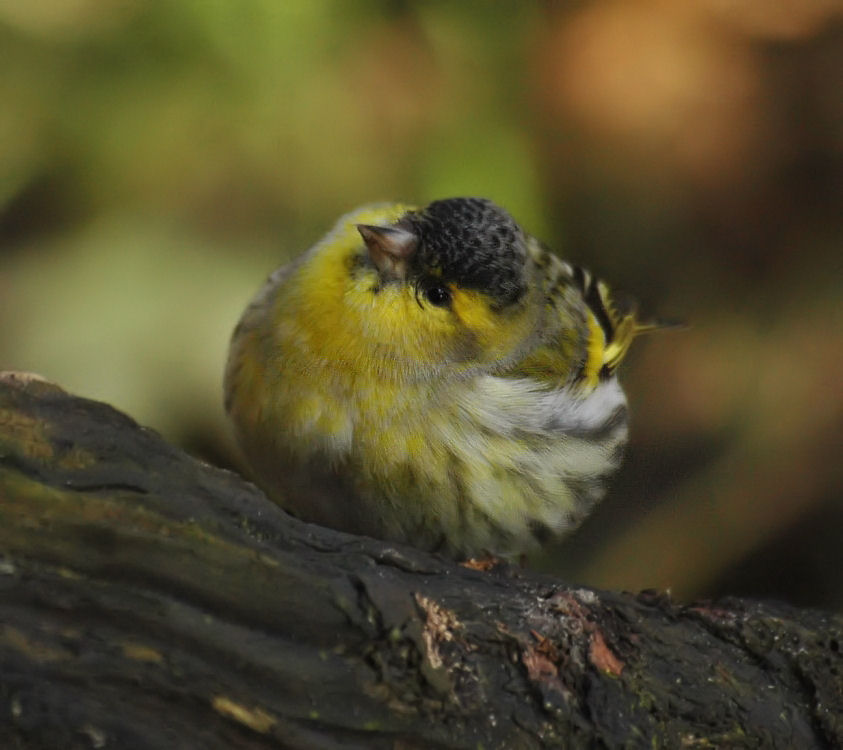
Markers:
(148, 600)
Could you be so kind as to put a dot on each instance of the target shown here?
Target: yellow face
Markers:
(355, 319)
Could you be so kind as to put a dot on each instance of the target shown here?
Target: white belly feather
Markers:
(529, 463)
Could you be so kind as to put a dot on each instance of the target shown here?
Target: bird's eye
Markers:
(438, 294)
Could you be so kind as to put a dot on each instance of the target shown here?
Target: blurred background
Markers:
(159, 158)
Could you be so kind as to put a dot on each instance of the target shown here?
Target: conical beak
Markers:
(390, 248)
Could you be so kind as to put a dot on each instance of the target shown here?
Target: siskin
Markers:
(433, 376)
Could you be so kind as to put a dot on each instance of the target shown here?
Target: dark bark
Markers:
(150, 601)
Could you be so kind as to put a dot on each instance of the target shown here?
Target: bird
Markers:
(434, 376)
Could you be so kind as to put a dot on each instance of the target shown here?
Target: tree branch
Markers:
(150, 601)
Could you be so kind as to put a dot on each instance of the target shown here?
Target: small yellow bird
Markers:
(433, 376)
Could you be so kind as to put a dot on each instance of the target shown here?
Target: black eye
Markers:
(438, 295)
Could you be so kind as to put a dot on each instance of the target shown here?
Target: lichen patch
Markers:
(439, 627)
(254, 718)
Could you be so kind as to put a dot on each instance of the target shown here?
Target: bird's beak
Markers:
(390, 248)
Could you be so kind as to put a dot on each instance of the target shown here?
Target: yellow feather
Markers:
(596, 353)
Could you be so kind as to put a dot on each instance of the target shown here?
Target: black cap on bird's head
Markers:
(469, 241)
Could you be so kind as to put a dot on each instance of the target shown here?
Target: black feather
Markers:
(473, 243)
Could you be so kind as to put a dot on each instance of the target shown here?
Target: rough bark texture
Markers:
(150, 601)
